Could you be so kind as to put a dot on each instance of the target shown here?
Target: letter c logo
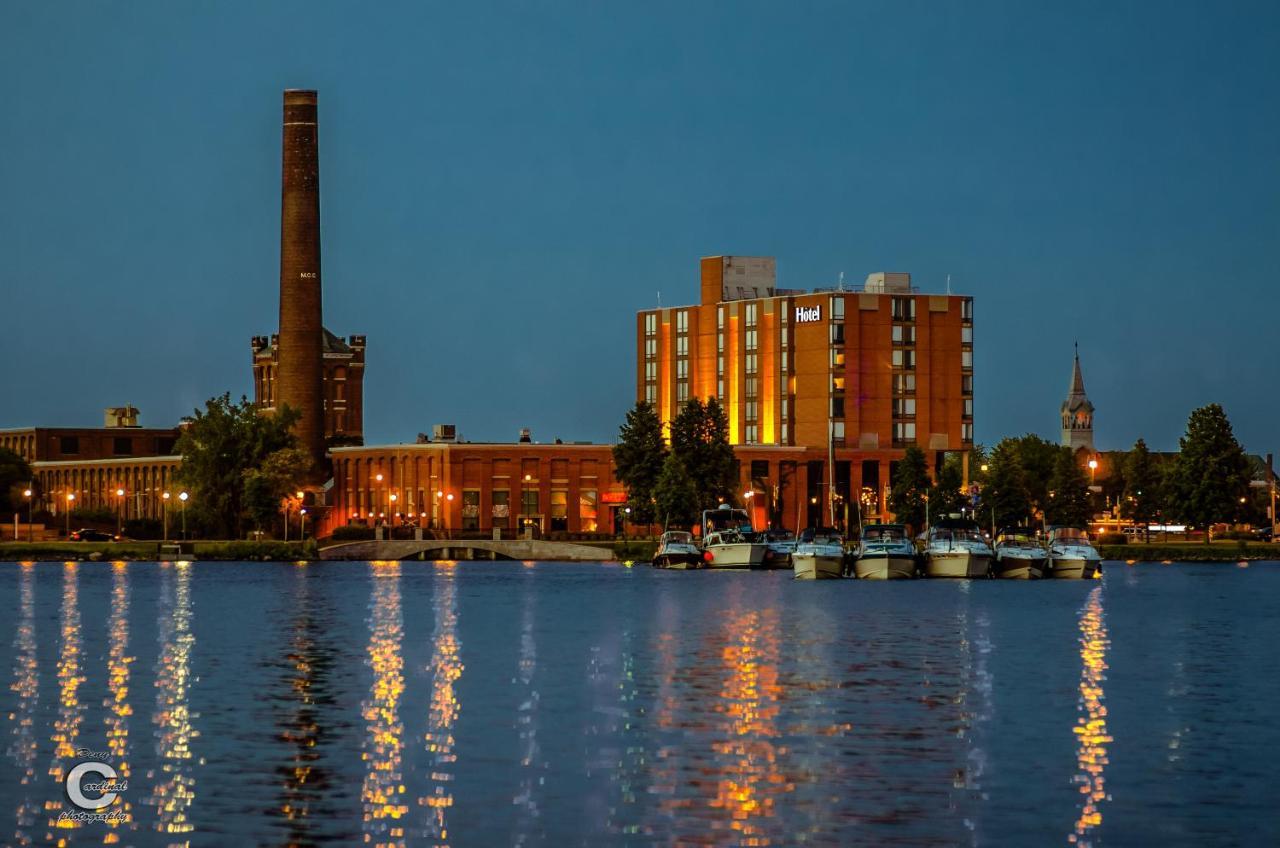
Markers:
(76, 794)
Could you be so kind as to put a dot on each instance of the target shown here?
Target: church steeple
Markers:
(1077, 412)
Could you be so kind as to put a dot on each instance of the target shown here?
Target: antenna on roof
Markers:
(948, 284)
(659, 298)
(840, 284)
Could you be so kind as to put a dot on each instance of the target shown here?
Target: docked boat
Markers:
(728, 541)
(676, 549)
(819, 554)
(956, 548)
(782, 544)
(1072, 555)
(1019, 554)
(885, 553)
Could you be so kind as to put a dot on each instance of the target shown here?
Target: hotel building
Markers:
(874, 369)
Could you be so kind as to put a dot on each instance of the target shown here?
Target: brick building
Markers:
(342, 373)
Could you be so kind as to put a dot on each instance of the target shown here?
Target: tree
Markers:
(675, 496)
(220, 447)
(700, 438)
(1037, 458)
(1068, 503)
(1142, 487)
(638, 457)
(1211, 472)
(15, 476)
(1005, 496)
(945, 496)
(906, 498)
(267, 487)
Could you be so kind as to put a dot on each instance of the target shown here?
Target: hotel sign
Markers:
(808, 314)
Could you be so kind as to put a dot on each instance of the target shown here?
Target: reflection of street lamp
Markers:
(182, 496)
(70, 500)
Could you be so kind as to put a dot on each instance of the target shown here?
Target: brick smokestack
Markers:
(299, 378)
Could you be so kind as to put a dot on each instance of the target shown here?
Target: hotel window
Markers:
(750, 386)
(682, 321)
(837, 334)
(587, 511)
(784, 407)
(966, 309)
(651, 394)
(751, 360)
(966, 432)
(966, 384)
(904, 309)
(837, 431)
(650, 371)
(651, 324)
(751, 409)
(904, 334)
(559, 510)
(786, 434)
(785, 362)
(501, 508)
(750, 434)
(650, 347)
(968, 407)
(682, 369)
(904, 384)
(682, 391)
(750, 343)
(751, 314)
(837, 382)
(471, 509)
(529, 502)
(904, 431)
(720, 389)
(966, 335)
(837, 309)
(682, 345)
(904, 407)
(904, 359)
(837, 357)
(837, 406)
(966, 359)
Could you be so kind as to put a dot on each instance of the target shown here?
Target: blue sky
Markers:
(503, 186)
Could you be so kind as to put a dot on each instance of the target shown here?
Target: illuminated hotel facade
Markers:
(874, 369)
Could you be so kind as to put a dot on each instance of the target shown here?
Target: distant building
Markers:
(1077, 413)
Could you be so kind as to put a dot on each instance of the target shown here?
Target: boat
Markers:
(676, 549)
(728, 541)
(1019, 554)
(782, 544)
(885, 552)
(1072, 555)
(956, 548)
(819, 554)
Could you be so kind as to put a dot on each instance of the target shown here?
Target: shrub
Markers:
(1112, 538)
(352, 533)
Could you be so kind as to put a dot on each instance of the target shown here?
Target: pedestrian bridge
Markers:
(455, 549)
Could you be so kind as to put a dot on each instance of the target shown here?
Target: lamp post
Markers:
(182, 496)
(302, 524)
(164, 514)
(27, 493)
(119, 512)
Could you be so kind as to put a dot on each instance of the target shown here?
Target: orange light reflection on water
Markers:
(1092, 738)
(383, 791)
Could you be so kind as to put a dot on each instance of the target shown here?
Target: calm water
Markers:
(552, 704)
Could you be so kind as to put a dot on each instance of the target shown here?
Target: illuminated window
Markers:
(529, 502)
(966, 432)
(837, 383)
(837, 308)
(837, 357)
(587, 510)
(559, 510)
(471, 509)
(501, 508)
(837, 431)
(904, 431)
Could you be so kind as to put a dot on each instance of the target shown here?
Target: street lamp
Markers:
(70, 500)
(182, 496)
(164, 513)
(302, 523)
(1093, 467)
(120, 512)
(27, 493)
(983, 468)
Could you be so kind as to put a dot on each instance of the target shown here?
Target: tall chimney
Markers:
(299, 378)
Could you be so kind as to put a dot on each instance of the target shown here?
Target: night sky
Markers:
(504, 186)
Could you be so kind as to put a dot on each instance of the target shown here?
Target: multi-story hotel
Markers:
(873, 369)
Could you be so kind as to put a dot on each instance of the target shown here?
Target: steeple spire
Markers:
(1077, 411)
(1077, 377)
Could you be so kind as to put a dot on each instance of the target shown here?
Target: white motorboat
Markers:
(885, 553)
(1019, 554)
(956, 548)
(728, 541)
(676, 549)
(1072, 555)
(819, 554)
(782, 544)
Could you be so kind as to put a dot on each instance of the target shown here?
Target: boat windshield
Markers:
(884, 534)
(780, 536)
(956, 534)
(677, 537)
(821, 536)
(1017, 537)
(726, 519)
(1070, 536)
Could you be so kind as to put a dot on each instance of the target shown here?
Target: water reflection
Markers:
(66, 728)
(26, 686)
(446, 668)
(174, 791)
(383, 791)
(116, 705)
(1091, 727)
(532, 771)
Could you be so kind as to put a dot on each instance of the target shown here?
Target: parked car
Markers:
(1263, 534)
(85, 534)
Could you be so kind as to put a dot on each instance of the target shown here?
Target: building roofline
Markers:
(115, 460)
(434, 445)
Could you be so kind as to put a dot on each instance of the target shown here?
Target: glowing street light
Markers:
(70, 500)
(164, 511)
(182, 496)
(27, 493)
(120, 512)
